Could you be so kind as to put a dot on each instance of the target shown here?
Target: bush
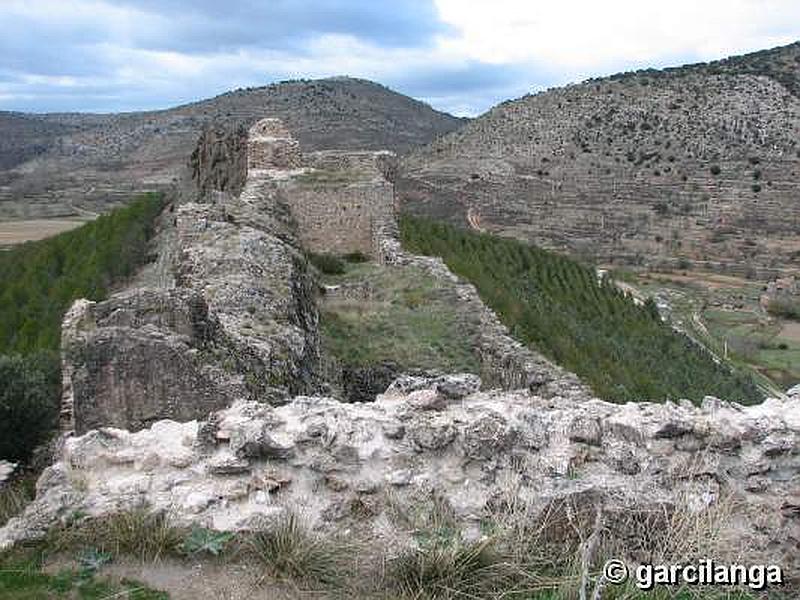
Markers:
(446, 569)
(715, 169)
(784, 308)
(356, 257)
(327, 263)
(29, 402)
(137, 533)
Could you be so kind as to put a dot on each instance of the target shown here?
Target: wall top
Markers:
(269, 128)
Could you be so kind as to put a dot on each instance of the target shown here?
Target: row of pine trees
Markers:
(558, 306)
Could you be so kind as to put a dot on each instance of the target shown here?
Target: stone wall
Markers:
(270, 146)
(347, 467)
(505, 362)
(236, 319)
(339, 218)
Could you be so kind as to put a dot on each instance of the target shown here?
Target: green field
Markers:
(724, 314)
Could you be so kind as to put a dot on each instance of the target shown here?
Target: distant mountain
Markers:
(57, 164)
(697, 164)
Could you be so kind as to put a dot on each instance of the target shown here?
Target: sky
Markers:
(460, 56)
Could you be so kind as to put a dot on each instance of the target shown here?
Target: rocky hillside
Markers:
(58, 164)
(699, 163)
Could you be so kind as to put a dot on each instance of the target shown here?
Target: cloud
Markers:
(459, 55)
(580, 36)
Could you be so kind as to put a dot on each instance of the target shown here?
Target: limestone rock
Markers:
(339, 463)
(6, 471)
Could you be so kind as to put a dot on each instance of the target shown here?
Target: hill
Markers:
(698, 163)
(62, 164)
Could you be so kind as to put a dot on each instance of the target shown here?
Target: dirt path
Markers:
(198, 581)
(791, 331)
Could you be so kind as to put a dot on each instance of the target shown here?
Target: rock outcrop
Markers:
(219, 162)
(240, 321)
(349, 465)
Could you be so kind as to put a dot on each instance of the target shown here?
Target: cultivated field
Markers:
(724, 313)
(17, 232)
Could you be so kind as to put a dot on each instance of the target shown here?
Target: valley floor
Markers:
(723, 313)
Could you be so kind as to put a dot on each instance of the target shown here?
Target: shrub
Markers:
(138, 533)
(356, 257)
(756, 187)
(785, 308)
(327, 263)
(29, 402)
(715, 169)
(446, 569)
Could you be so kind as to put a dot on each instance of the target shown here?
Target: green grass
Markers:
(22, 578)
(622, 350)
(406, 321)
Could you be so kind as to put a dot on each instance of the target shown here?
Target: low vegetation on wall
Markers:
(38, 282)
(377, 322)
(622, 350)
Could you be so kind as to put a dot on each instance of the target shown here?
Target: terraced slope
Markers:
(695, 164)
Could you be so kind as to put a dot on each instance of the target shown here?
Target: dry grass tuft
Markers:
(136, 533)
(290, 552)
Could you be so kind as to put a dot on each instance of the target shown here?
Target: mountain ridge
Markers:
(56, 161)
(610, 169)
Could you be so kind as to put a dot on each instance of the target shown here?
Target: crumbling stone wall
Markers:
(339, 218)
(239, 319)
(270, 146)
(344, 466)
